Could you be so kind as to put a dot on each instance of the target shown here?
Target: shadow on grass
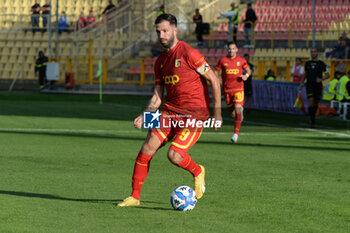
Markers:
(274, 146)
(155, 208)
(55, 197)
(336, 139)
(82, 135)
(142, 138)
(71, 106)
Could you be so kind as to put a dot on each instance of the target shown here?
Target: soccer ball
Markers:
(183, 198)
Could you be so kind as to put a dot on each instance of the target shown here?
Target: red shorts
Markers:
(184, 136)
(236, 97)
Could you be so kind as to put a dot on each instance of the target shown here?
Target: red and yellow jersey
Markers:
(232, 69)
(179, 71)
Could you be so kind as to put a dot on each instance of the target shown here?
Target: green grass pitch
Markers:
(66, 161)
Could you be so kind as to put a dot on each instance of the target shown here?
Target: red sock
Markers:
(188, 164)
(238, 122)
(140, 173)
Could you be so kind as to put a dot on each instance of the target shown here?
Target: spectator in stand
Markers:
(344, 37)
(81, 23)
(270, 76)
(109, 8)
(342, 51)
(91, 18)
(35, 16)
(161, 10)
(339, 51)
(46, 13)
(63, 23)
(234, 20)
(107, 12)
(297, 71)
(198, 20)
(249, 25)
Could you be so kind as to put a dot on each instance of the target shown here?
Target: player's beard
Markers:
(232, 55)
(169, 42)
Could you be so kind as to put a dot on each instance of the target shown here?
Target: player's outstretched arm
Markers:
(153, 105)
(215, 85)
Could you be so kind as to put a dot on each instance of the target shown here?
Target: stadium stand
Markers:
(278, 20)
(280, 17)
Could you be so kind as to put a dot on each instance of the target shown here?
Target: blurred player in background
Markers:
(184, 73)
(248, 89)
(232, 67)
(315, 72)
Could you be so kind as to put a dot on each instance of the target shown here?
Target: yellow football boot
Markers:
(199, 183)
(129, 201)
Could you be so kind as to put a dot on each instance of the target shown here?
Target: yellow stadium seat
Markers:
(6, 51)
(28, 36)
(15, 51)
(11, 36)
(27, 44)
(32, 52)
(6, 74)
(10, 44)
(36, 44)
(8, 66)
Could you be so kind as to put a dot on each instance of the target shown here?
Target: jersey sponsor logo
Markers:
(177, 62)
(238, 63)
(232, 71)
(171, 79)
(151, 120)
(203, 69)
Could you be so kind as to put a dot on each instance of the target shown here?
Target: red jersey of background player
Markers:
(179, 70)
(232, 69)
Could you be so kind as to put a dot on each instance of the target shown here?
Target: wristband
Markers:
(247, 75)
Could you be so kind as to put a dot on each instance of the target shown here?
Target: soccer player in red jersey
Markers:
(184, 73)
(232, 67)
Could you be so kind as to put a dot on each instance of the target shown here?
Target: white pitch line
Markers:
(217, 133)
(69, 130)
(301, 129)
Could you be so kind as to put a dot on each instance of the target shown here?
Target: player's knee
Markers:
(148, 149)
(233, 114)
(174, 157)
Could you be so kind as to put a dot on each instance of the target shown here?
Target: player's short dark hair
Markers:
(230, 43)
(166, 17)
